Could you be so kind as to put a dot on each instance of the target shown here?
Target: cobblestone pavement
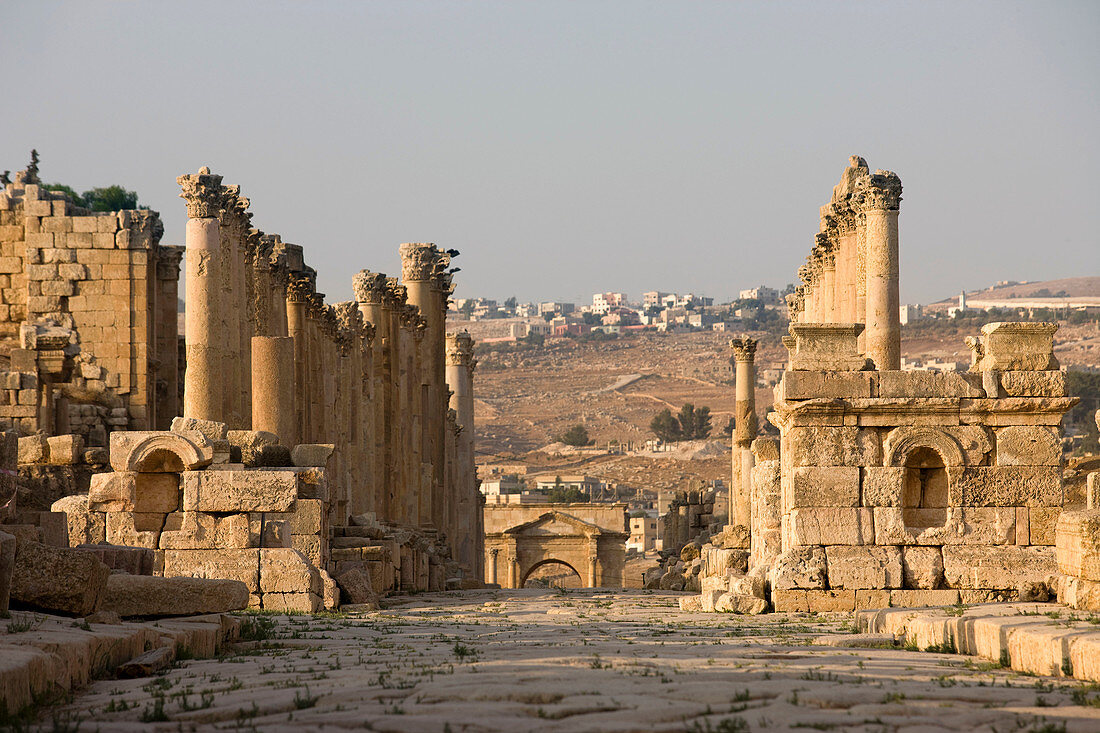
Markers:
(546, 660)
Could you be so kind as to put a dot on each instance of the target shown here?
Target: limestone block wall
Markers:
(916, 488)
(690, 514)
(108, 284)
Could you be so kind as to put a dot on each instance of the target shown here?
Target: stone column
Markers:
(744, 354)
(419, 265)
(273, 387)
(880, 199)
(492, 576)
(460, 369)
(827, 258)
(168, 273)
(203, 380)
(297, 299)
(370, 290)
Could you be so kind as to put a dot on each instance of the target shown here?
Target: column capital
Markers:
(878, 191)
(234, 212)
(168, 262)
(299, 289)
(395, 295)
(744, 347)
(202, 192)
(794, 304)
(460, 350)
(368, 287)
(418, 261)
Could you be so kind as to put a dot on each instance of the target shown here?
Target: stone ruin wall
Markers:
(894, 488)
(87, 317)
(319, 441)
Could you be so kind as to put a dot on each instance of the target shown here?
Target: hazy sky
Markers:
(568, 148)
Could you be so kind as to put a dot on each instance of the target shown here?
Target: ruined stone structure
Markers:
(316, 441)
(88, 305)
(890, 487)
(589, 539)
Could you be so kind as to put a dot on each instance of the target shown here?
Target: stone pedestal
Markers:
(273, 387)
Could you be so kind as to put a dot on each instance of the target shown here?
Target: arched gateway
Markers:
(523, 541)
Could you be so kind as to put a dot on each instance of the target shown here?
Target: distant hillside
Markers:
(1069, 287)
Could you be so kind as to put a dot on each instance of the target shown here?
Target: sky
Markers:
(568, 148)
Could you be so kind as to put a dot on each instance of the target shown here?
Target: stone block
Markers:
(1042, 525)
(690, 604)
(312, 483)
(825, 347)
(310, 546)
(213, 430)
(740, 604)
(765, 449)
(1033, 384)
(312, 454)
(1017, 347)
(923, 598)
(882, 486)
(355, 587)
(33, 449)
(997, 568)
(65, 450)
(803, 385)
(803, 568)
(285, 570)
(924, 384)
(1007, 486)
(293, 602)
(863, 567)
(84, 526)
(708, 598)
(921, 567)
(249, 445)
(156, 492)
(823, 486)
(134, 529)
(112, 492)
(1078, 544)
(199, 531)
(948, 526)
(872, 599)
(230, 564)
(143, 595)
(58, 580)
(267, 531)
(131, 560)
(1028, 445)
(833, 446)
(159, 451)
(832, 526)
(239, 491)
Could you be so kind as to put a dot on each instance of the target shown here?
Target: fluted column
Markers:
(880, 197)
(203, 383)
(744, 354)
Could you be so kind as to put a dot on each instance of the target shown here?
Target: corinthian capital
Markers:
(460, 350)
(203, 193)
(299, 289)
(369, 287)
(235, 211)
(418, 261)
(878, 191)
(744, 348)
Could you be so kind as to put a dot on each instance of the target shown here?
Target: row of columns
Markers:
(265, 352)
(851, 274)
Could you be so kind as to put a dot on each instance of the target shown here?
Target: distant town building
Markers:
(909, 313)
(643, 533)
(556, 308)
(604, 302)
(761, 293)
(590, 485)
(504, 483)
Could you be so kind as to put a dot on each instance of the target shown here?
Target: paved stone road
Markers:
(577, 661)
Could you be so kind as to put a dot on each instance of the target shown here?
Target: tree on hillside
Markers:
(565, 495)
(576, 436)
(666, 427)
(694, 423)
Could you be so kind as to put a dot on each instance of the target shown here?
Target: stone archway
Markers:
(595, 554)
(552, 574)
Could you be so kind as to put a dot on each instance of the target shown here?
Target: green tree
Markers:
(576, 436)
(68, 190)
(511, 303)
(111, 198)
(702, 427)
(666, 427)
(565, 495)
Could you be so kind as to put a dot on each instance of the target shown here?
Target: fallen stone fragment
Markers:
(148, 663)
(692, 604)
(737, 603)
(147, 595)
(356, 587)
(55, 579)
(311, 454)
